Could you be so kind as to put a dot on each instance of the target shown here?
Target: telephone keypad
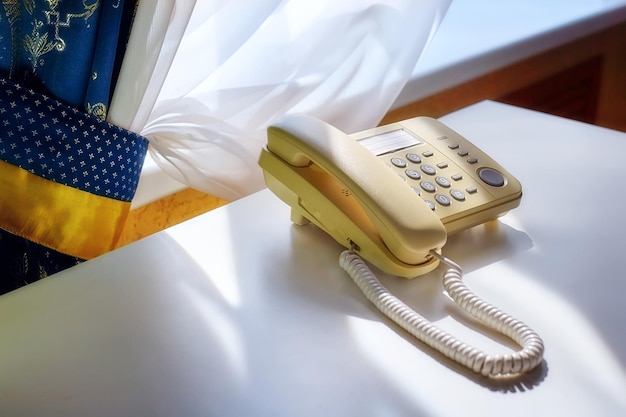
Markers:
(488, 176)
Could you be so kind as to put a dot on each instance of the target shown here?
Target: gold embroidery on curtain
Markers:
(55, 19)
(41, 41)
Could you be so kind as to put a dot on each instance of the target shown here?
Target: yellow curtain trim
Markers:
(62, 218)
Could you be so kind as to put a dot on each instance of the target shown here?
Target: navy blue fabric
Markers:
(103, 67)
(62, 144)
(23, 262)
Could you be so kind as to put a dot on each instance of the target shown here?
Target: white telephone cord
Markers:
(524, 360)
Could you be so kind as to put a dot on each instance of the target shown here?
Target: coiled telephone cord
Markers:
(524, 360)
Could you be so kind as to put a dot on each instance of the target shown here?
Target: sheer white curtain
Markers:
(203, 79)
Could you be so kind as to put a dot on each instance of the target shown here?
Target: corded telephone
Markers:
(391, 195)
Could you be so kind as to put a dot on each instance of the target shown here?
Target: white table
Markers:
(240, 313)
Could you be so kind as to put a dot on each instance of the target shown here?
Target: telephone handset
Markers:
(390, 195)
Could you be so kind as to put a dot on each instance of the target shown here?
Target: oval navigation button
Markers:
(491, 177)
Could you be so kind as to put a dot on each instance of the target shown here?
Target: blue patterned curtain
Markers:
(67, 176)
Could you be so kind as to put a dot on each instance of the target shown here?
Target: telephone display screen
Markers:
(390, 142)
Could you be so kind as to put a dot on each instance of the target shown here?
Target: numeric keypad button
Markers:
(413, 157)
(398, 162)
(443, 181)
(428, 186)
(457, 195)
(413, 174)
(428, 169)
(442, 199)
